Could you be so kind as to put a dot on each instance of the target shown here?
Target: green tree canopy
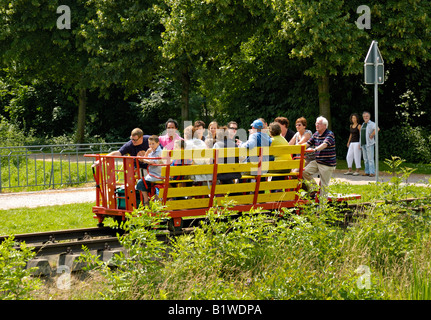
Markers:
(33, 46)
(122, 40)
(325, 34)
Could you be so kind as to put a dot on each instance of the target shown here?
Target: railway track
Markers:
(61, 235)
(62, 248)
(55, 242)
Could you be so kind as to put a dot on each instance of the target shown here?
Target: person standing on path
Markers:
(366, 137)
(354, 151)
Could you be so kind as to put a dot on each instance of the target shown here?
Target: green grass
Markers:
(25, 220)
(28, 220)
(79, 215)
(385, 191)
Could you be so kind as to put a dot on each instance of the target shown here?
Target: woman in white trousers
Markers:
(354, 151)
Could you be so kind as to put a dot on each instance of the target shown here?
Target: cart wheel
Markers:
(175, 224)
(100, 219)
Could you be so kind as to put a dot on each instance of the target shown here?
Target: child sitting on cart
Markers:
(154, 171)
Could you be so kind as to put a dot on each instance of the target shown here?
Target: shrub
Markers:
(15, 280)
(393, 141)
(259, 255)
(139, 271)
(11, 135)
(253, 256)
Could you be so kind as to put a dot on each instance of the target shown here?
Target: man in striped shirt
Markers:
(323, 141)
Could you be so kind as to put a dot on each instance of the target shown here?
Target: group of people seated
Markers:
(260, 135)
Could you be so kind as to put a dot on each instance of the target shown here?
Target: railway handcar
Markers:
(117, 176)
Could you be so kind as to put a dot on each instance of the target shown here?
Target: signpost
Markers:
(374, 72)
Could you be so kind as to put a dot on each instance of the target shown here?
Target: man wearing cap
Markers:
(323, 141)
(257, 138)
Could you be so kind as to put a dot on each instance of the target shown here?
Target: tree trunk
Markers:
(185, 96)
(324, 98)
(82, 105)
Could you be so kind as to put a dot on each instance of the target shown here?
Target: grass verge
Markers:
(28, 220)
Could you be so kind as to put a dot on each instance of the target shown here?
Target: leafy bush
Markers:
(410, 143)
(15, 280)
(11, 135)
(260, 255)
(254, 256)
(140, 269)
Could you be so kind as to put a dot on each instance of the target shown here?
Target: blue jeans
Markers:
(368, 156)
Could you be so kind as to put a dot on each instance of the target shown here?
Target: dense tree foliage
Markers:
(35, 47)
(125, 63)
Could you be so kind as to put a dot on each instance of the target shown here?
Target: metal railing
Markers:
(46, 166)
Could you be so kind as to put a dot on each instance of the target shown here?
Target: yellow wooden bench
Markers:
(253, 189)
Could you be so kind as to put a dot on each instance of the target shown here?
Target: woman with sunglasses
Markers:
(301, 136)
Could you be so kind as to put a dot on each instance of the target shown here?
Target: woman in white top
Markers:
(193, 143)
(211, 138)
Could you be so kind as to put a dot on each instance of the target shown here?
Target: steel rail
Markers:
(63, 235)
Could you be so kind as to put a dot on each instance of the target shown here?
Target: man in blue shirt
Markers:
(257, 138)
(367, 141)
(137, 146)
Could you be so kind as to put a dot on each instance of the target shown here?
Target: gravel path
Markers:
(46, 198)
(418, 179)
(80, 195)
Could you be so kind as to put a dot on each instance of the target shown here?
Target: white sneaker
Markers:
(348, 172)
